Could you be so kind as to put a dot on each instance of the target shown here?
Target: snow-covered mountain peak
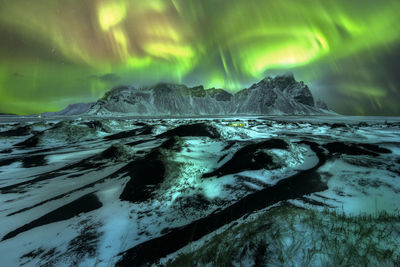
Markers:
(272, 95)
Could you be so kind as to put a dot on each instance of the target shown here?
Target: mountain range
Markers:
(280, 95)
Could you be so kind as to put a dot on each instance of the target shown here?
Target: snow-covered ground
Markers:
(99, 191)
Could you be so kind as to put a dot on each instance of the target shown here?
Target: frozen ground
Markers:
(128, 191)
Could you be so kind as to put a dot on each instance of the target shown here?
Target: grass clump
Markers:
(291, 236)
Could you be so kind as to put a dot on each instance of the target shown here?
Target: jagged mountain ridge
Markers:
(280, 95)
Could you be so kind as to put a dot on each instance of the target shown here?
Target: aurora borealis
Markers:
(53, 52)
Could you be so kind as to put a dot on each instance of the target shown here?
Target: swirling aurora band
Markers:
(55, 52)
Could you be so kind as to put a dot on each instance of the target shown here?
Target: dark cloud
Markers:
(108, 77)
(17, 75)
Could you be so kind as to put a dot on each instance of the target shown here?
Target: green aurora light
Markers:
(55, 52)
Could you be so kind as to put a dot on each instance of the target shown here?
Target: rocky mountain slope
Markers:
(280, 95)
(73, 109)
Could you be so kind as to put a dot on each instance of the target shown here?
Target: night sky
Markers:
(57, 52)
